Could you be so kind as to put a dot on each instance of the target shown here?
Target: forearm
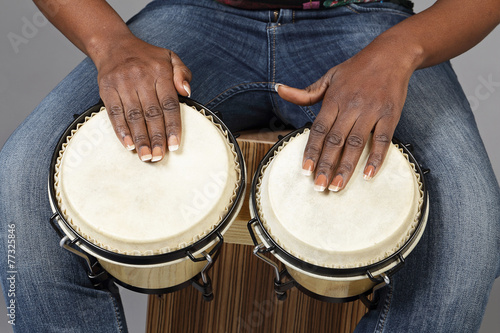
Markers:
(443, 31)
(91, 25)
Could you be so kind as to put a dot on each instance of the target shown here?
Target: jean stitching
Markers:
(352, 9)
(117, 315)
(385, 311)
(310, 113)
(274, 57)
(378, 10)
(236, 86)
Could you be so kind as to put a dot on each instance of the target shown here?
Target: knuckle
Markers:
(355, 141)
(134, 114)
(375, 159)
(185, 71)
(319, 129)
(356, 101)
(382, 138)
(388, 105)
(334, 139)
(152, 112)
(115, 110)
(140, 138)
(311, 150)
(121, 129)
(173, 129)
(325, 165)
(170, 105)
(345, 167)
(157, 137)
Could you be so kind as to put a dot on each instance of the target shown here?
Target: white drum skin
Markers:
(331, 286)
(131, 247)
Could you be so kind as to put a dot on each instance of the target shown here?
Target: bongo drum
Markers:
(154, 227)
(336, 246)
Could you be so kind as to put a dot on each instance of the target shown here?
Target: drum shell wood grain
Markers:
(245, 300)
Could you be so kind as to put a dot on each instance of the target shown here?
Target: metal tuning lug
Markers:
(205, 287)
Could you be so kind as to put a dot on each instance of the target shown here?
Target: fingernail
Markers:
(185, 84)
(277, 85)
(173, 143)
(145, 154)
(368, 173)
(157, 154)
(321, 183)
(129, 144)
(307, 167)
(336, 183)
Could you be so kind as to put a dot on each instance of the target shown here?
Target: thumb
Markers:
(182, 76)
(304, 97)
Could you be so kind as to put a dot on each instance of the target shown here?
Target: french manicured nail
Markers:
(185, 84)
(145, 154)
(368, 173)
(173, 143)
(277, 85)
(336, 183)
(321, 183)
(157, 154)
(128, 143)
(307, 167)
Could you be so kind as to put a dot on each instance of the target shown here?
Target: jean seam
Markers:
(352, 9)
(378, 10)
(274, 102)
(117, 315)
(308, 111)
(273, 65)
(385, 310)
(229, 94)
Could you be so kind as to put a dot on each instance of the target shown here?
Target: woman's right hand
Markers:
(139, 83)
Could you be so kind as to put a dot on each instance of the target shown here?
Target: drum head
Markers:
(118, 203)
(356, 227)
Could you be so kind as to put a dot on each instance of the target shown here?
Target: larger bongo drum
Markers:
(154, 227)
(336, 246)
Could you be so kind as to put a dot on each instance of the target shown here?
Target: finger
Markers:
(353, 148)
(319, 130)
(333, 147)
(136, 123)
(114, 108)
(169, 104)
(155, 124)
(308, 96)
(381, 141)
(182, 76)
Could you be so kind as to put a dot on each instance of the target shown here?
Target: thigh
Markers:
(458, 257)
(447, 279)
(52, 290)
(446, 283)
(47, 286)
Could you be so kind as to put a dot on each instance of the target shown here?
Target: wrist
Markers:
(402, 51)
(101, 47)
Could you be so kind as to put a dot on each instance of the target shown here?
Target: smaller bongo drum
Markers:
(336, 246)
(154, 227)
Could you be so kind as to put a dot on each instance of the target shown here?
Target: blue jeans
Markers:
(236, 57)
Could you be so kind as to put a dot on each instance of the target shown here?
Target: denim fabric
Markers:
(236, 57)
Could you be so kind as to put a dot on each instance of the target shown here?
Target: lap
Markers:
(458, 255)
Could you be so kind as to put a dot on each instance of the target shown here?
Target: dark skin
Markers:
(139, 82)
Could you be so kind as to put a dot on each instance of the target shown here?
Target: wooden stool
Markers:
(245, 300)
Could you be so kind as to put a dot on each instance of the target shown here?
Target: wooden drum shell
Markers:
(245, 300)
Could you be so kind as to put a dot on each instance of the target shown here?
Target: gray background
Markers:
(28, 75)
